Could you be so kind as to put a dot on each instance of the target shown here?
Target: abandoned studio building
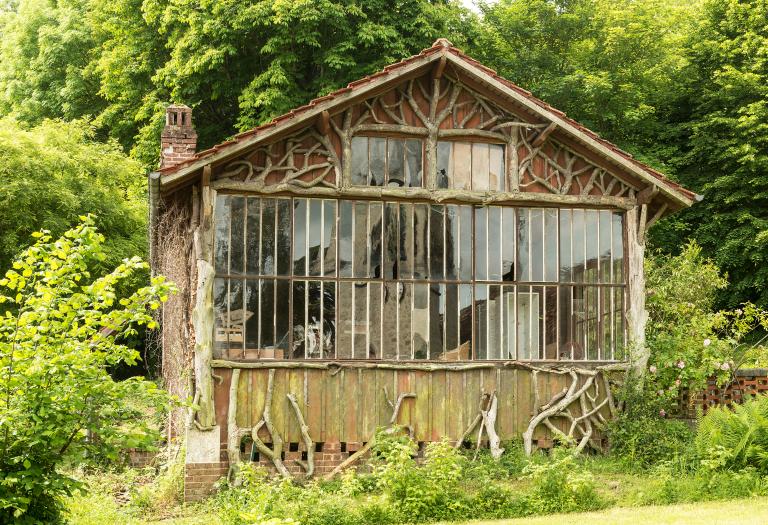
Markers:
(430, 247)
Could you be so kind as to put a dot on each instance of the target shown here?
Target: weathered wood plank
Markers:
(439, 405)
(422, 418)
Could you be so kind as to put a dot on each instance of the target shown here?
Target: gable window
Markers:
(387, 161)
(312, 278)
(470, 166)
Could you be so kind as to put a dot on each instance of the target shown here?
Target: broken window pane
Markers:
(395, 167)
(221, 237)
(496, 168)
(421, 239)
(481, 244)
(300, 237)
(345, 238)
(462, 166)
(283, 235)
(495, 243)
(436, 242)
(480, 167)
(378, 160)
(253, 236)
(314, 236)
(329, 238)
(413, 163)
(444, 164)
(359, 170)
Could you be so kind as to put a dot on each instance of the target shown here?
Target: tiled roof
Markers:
(441, 45)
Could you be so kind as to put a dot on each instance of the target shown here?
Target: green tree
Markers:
(58, 339)
(55, 172)
(726, 147)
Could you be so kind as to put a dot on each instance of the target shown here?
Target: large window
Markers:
(301, 278)
(470, 166)
(381, 161)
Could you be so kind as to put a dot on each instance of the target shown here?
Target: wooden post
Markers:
(637, 315)
(202, 314)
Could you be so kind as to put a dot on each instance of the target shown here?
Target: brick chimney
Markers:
(178, 140)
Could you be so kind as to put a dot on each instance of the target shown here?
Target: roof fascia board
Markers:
(568, 128)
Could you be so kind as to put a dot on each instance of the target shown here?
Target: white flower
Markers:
(652, 369)
(725, 366)
(707, 342)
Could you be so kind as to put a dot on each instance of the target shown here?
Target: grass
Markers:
(736, 512)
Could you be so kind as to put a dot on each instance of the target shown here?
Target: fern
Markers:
(735, 438)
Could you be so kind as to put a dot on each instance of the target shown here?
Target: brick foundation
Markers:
(746, 384)
(200, 479)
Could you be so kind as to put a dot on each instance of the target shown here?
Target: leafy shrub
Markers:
(640, 437)
(562, 485)
(689, 341)
(57, 342)
(735, 438)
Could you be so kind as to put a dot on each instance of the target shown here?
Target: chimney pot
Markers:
(178, 141)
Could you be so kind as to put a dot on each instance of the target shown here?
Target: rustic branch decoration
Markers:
(583, 424)
(276, 452)
(486, 418)
(306, 146)
(561, 175)
(391, 429)
(309, 465)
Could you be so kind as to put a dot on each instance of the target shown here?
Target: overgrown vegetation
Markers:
(59, 333)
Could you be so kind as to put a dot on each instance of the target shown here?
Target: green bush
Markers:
(57, 399)
(562, 485)
(735, 438)
(641, 436)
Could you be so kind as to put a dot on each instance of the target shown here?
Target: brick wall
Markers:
(200, 479)
(745, 384)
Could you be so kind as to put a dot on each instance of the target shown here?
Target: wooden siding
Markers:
(348, 404)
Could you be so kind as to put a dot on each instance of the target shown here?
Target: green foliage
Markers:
(641, 437)
(54, 173)
(562, 485)
(733, 439)
(57, 342)
(689, 342)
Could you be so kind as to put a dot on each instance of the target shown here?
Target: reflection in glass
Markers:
(300, 237)
(252, 236)
(550, 245)
(523, 245)
(345, 238)
(462, 166)
(508, 244)
(413, 163)
(481, 244)
(314, 236)
(378, 159)
(283, 236)
(395, 167)
(480, 167)
(221, 234)
(359, 170)
(444, 164)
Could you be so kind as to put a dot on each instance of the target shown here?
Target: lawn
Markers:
(737, 512)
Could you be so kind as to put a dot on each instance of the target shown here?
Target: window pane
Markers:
(618, 247)
(391, 239)
(528, 334)
(252, 236)
(523, 245)
(565, 246)
(508, 244)
(462, 165)
(229, 312)
(266, 320)
(376, 320)
(570, 347)
(593, 253)
(374, 234)
(436, 241)
(329, 238)
(395, 155)
(405, 307)
(481, 321)
(619, 328)
(420, 321)
(550, 245)
(444, 168)
(361, 321)
(577, 246)
(314, 332)
(252, 319)
(420, 240)
(413, 163)
(283, 234)
(452, 312)
(436, 320)
(480, 167)
(299, 303)
(509, 322)
(605, 246)
(360, 246)
(549, 311)
(389, 318)
(481, 245)
(328, 310)
(268, 218)
(465, 235)
(345, 318)
(299, 237)
(405, 266)
(537, 244)
(315, 236)
(221, 245)
(465, 321)
(591, 313)
(496, 168)
(494, 243)
(345, 238)
(282, 321)
(378, 157)
(237, 246)
(221, 314)
(359, 171)
(452, 246)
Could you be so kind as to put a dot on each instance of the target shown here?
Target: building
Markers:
(430, 246)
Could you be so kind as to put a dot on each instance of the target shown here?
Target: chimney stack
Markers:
(178, 140)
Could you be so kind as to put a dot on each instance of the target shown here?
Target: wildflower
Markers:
(660, 392)
(681, 364)
(662, 412)
(725, 366)
(707, 342)
(677, 382)
(652, 369)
